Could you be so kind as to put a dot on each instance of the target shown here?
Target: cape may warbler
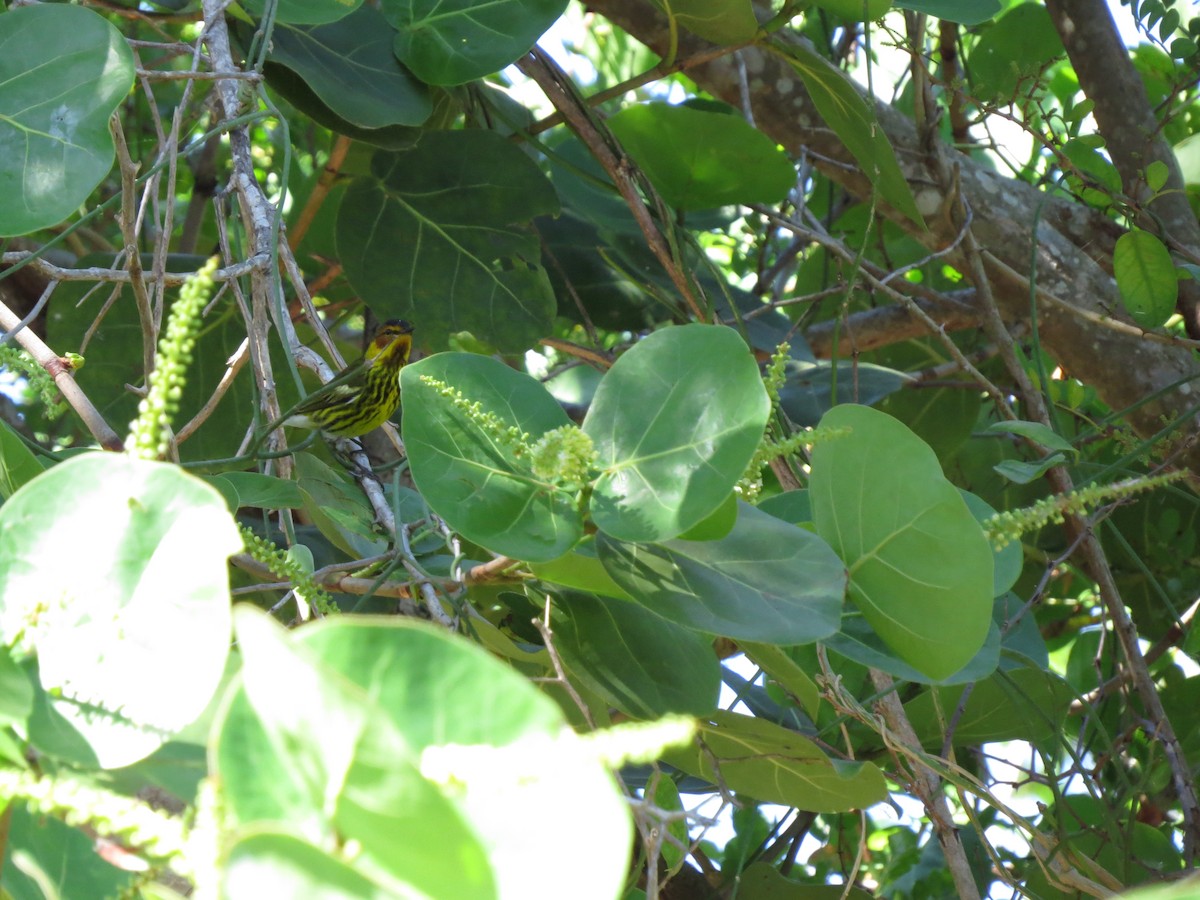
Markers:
(366, 394)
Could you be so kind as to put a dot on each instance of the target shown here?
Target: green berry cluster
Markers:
(37, 380)
(776, 373)
(112, 815)
(149, 433)
(565, 456)
(1006, 527)
(288, 568)
(508, 435)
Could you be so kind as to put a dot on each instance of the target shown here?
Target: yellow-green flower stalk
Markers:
(149, 433)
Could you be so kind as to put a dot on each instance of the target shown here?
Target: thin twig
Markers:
(555, 84)
(542, 624)
(232, 367)
(133, 259)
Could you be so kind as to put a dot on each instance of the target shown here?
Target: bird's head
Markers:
(391, 344)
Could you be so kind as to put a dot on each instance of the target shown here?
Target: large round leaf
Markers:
(305, 12)
(456, 41)
(767, 580)
(421, 750)
(640, 663)
(55, 145)
(468, 475)
(775, 765)
(698, 159)
(436, 236)
(920, 565)
(350, 67)
(113, 570)
(675, 423)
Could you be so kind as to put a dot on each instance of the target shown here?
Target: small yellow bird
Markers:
(365, 394)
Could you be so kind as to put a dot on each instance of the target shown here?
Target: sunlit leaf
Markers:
(719, 21)
(154, 542)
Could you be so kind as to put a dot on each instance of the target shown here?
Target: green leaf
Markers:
(716, 525)
(337, 507)
(350, 67)
(581, 570)
(856, 10)
(719, 21)
(920, 565)
(43, 852)
(766, 581)
(304, 12)
(295, 868)
(783, 669)
(16, 693)
(762, 881)
(1021, 704)
(434, 236)
(17, 462)
(698, 159)
(1020, 472)
(1034, 431)
(350, 767)
(155, 542)
(292, 88)
(469, 476)
(55, 145)
(1090, 173)
(265, 491)
(791, 506)
(1008, 561)
(675, 422)
(666, 797)
(847, 113)
(1146, 278)
(640, 663)
(1013, 50)
(857, 641)
(965, 12)
(775, 765)
(455, 41)
(807, 392)
(1157, 174)
(351, 715)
